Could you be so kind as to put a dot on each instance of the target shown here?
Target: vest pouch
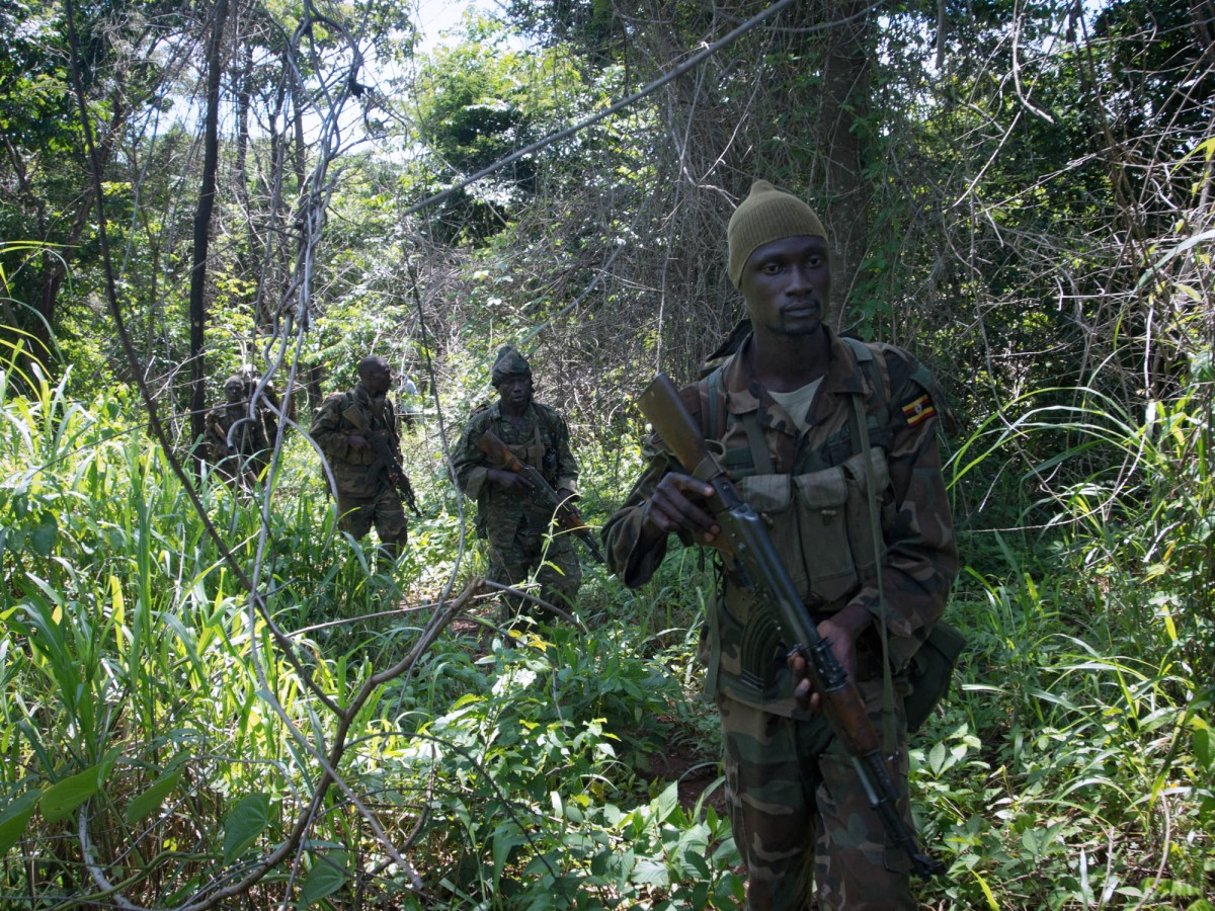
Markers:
(771, 496)
(826, 551)
(860, 534)
(930, 671)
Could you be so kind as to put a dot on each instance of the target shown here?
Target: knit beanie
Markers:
(767, 214)
(508, 363)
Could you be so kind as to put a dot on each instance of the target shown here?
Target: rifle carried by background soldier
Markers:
(567, 515)
(386, 459)
(756, 559)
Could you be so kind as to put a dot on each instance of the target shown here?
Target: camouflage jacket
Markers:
(807, 488)
(542, 439)
(358, 472)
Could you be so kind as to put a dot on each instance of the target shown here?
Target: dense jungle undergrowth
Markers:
(361, 738)
(211, 699)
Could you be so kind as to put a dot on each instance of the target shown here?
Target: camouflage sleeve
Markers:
(622, 531)
(921, 554)
(626, 557)
(328, 429)
(567, 465)
(467, 462)
(394, 429)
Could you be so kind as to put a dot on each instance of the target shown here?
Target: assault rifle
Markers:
(760, 567)
(395, 473)
(568, 518)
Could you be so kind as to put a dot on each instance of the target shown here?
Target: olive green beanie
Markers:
(767, 214)
(509, 362)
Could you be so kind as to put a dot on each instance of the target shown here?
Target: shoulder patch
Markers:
(919, 409)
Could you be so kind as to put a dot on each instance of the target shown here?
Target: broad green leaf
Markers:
(43, 535)
(328, 874)
(246, 821)
(1204, 748)
(936, 759)
(650, 872)
(61, 798)
(152, 798)
(665, 803)
(15, 818)
(505, 839)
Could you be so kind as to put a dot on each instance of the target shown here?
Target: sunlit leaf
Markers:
(152, 798)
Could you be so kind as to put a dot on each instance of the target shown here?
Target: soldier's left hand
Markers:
(841, 630)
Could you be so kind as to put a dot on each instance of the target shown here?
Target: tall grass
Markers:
(1086, 701)
(162, 746)
(165, 744)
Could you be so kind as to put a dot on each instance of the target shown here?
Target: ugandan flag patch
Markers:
(918, 409)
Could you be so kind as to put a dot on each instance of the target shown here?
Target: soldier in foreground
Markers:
(807, 424)
(515, 508)
(359, 432)
(238, 443)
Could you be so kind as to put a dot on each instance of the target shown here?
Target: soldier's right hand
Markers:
(677, 505)
(357, 441)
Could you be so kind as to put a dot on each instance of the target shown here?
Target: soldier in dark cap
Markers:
(822, 435)
(359, 432)
(238, 443)
(513, 516)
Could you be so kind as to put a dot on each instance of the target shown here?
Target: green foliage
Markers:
(480, 101)
(1035, 220)
(144, 701)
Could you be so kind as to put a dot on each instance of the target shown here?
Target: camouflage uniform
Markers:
(252, 439)
(516, 522)
(795, 799)
(364, 494)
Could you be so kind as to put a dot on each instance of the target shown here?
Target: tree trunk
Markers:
(202, 227)
(845, 105)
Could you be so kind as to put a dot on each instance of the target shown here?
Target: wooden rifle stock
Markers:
(568, 517)
(761, 570)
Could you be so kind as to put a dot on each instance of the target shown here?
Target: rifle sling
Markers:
(862, 424)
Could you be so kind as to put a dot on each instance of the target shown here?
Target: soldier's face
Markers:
(377, 378)
(787, 285)
(515, 391)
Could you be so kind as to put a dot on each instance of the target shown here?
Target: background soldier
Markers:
(808, 424)
(359, 433)
(237, 443)
(512, 514)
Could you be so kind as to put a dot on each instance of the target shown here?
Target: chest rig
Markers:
(504, 514)
(366, 416)
(821, 516)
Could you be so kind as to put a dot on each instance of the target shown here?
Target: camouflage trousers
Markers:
(801, 819)
(383, 510)
(524, 555)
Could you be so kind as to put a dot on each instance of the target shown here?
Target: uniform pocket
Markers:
(806, 518)
(822, 499)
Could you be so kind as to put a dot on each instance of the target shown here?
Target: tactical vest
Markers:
(818, 517)
(532, 453)
(500, 514)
